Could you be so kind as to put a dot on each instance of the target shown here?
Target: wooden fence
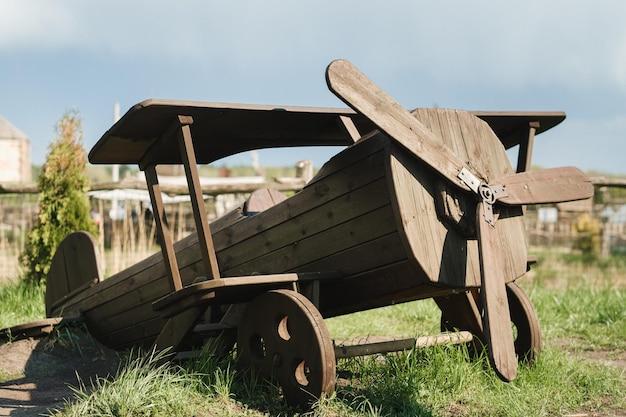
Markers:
(127, 233)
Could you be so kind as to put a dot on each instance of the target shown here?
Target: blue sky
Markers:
(567, 55)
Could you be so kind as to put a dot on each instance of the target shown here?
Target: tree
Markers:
(63, 202)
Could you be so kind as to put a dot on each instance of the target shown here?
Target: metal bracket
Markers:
(469, 179)
(488, 194)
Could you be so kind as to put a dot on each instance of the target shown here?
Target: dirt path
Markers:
(38, 373)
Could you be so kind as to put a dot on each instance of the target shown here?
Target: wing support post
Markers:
(180, 131)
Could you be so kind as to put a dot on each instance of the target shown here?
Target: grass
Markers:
(20, 303)
(582, 313)
(141, 388)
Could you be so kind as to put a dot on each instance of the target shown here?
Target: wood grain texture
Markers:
(496, 316)
(552, 185)
(446, 251)
(74, 265)
(360, 93)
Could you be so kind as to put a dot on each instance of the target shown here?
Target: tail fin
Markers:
(75, 266)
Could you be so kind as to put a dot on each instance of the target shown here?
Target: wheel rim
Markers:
(524, 318)
(283, 337)
(524, 323)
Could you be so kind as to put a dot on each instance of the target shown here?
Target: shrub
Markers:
(587, 237)
(63, 203)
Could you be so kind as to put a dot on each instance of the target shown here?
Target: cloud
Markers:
(36, 24)
(512, 44)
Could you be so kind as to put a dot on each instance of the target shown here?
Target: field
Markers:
(581, 372)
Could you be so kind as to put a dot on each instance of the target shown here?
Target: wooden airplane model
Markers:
(421, 204)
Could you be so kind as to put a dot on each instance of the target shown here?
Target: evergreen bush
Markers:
(63, 202)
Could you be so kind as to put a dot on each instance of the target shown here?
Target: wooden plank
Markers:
(360, 93)
(205, 240)
(551, 185)
(352, 86)
(350, 127)
(365, 256)
(74, 266)
(461, 311)
(496, 315)
(147, 279)
(319, 245)
(167, 248)
(261, 200)
(140, 334)
(525, 153)
(121, 311)
(302, 225)
(387, 346)
(176, 329)
(388, 285)
(151, 270)
(511, 127)
(226, 129)
(73, 294)
(361, 166)
(215, 285)
(221, 129)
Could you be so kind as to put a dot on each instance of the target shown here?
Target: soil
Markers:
(38, 373)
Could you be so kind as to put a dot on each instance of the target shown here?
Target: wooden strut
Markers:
(167, 243)
(205, 240)
(181, 130)
(350, 351)
(526, 148)
(177, 327)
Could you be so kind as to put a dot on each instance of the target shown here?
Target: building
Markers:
(14, 154)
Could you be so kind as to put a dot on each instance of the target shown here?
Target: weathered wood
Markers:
(461, 311)
(525, 153)
(205, 240)
(167, 247)
(200, 292)
(74, 266)
(119, 311)
(496, 315)
(176, 329)
(552, 185)
(207, 189)
(360, 93)
(450, 254)
(74, 293)
(264, 198)
(350, 127)
(387, 346)
(33, 329)
(19, 188)
(369, 218)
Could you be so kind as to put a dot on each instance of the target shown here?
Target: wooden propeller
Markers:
(545, 186)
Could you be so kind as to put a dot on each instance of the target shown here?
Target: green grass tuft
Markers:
(21, 303)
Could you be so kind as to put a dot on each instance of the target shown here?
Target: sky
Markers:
(531, 55)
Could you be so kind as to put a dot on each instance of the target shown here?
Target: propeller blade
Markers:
(553, 185)
(496, 315)
(364, 96)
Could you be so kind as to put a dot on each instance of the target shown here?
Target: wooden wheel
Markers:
(524, 321)
(526, 330)
(283, 336)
